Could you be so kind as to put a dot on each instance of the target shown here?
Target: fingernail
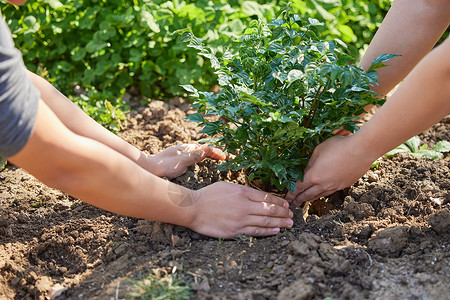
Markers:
(276, 230)
(218, 151)
(291, 214)
(290, 223)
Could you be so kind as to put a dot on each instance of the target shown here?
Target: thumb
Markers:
(205, 150)
(199, 153)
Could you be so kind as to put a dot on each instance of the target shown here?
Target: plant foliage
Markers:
(167, 288)
(413, 148)
(3, 163)
(113, 45)
(109, 47)
(283, 91)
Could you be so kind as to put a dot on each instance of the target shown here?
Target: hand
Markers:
(334, 165)
(342, 132)
(174, 161)
(225, 210)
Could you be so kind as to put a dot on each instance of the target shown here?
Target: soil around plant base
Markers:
(386, 237)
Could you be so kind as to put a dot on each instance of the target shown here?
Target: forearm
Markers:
(96, 174)
(411, 28)
(80, 123)
(421, 101)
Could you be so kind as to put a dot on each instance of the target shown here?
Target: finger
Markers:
(259, 231)
(313, 193)
(195, 153)
(211, 152)
(263, 209)
(187, 147)
(205, 151)
(268, 221)
(301, 187)
(342, 132)
(217, 154)
(259, 196)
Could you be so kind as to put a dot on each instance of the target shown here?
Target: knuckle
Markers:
(239, 191)
(256, 231)
(197, 155)
(267, 221)
(314, 179)
(273, 209)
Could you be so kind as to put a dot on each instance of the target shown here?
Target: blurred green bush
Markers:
(113, 45)
(109, 47)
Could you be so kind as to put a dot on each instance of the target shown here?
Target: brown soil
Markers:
(387, 237)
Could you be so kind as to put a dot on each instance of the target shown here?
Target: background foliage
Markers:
(115, 45)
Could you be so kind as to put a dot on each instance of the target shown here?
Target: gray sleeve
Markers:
(19, 98)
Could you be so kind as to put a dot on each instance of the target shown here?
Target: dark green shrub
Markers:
(283, 91)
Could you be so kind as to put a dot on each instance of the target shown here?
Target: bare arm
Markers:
(411, 28)
(422, 100)
(103, 177)
(171, 162)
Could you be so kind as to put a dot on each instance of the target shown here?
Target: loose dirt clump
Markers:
(386, 237)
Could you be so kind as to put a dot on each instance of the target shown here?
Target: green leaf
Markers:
(276, 22)
(190, 88)
(294, 75)
(400, 149)
(210, 128)
(279, 170)
(2, 163)
(347, 33)
(315, 22)
(195, 117)
(380, 60)
(413, 143)
(252, 8)
(149, 20)
(55, 4)
(292, 186)
(345, 77)
(442, 146)
(78, 53)
(427, 153)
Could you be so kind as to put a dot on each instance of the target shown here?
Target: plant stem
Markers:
(316, 104)
(308, 121)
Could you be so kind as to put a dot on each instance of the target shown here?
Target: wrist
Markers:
(150, 163)
(184, 201)
(362, 149)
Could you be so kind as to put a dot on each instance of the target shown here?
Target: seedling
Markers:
(168, 287)
(283, 91)
(2, 163)
(413, 148)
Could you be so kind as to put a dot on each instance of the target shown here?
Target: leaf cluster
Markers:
(169, 287)
(113, 45)
(413, 148)
(3, 163)
(283, 91)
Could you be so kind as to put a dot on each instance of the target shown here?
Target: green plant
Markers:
(168, 287)
(113, 45)
(413, 148)
(39, 202)
(3, 163)
(283, 91)
(108, 113)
